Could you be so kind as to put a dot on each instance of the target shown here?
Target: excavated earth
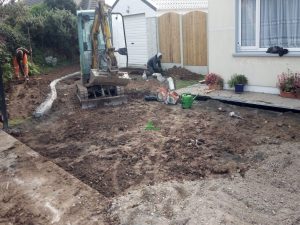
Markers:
(198, 166)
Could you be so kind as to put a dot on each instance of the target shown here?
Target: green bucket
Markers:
(187, 100)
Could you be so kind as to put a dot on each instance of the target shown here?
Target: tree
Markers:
(59, 4)
(11, 14)
(53, 31)
(2, 2)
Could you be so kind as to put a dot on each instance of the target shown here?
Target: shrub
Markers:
(59, 4)
(52, 27)
(12, 38)
(296, 81)
(289, 82)
(237, 79)
(7, 71)
(213, 79)
(12, 14)
(38, 9)
(33, 69)
(5, 60)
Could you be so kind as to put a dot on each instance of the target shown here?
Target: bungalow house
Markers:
(141, 19)
(241, 31)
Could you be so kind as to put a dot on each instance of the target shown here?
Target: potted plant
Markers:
(214, 81)
(238, 81)
(289, 84)
(297, 85)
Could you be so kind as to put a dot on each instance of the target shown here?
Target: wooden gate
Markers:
(169, 37)
(183, 38)
(195, 39)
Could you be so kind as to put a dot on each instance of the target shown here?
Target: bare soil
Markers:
(24, 98)
(182, 74)
(110, 150)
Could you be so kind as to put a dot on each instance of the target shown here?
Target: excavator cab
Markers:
(101, 82)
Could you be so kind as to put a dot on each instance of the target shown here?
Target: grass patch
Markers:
(185, 83)
(46, 68)
(17, 121)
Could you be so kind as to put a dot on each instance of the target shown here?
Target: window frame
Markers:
(255, 48)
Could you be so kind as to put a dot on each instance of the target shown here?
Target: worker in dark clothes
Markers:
(21, 63)
(154, 64)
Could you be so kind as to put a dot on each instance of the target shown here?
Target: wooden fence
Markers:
(183, 38)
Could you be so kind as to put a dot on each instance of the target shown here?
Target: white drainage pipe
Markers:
(47, 104)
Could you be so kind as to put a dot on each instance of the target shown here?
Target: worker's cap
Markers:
(159, 55)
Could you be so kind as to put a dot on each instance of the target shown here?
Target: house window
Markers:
(266, 23)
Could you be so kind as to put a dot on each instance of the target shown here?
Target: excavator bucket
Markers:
(98, 77)
(103, 89)
(100, 96)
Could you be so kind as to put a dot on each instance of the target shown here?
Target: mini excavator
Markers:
(101, 82)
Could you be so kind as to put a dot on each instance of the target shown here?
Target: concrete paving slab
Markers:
(34, 190)
(253, 98)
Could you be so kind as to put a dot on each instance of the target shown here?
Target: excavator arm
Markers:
(102, 21)
(101, 82)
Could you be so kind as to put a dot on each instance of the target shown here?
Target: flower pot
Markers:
(287, 94)
(239, 88)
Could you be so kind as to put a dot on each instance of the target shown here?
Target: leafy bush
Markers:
(237, 79)
(61, 32)
(5, 60)
(12, 38)
(59, 4)
(52, 27)
(289, 82)
(12, 14)
(213, 79)
(55, 29)
(38, 9)
(33, 69)
(7, 71)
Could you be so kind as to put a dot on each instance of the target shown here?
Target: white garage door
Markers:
(136, 34)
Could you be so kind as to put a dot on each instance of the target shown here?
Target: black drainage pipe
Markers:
(246, 104)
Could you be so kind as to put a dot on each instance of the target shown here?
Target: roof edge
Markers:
(149, 4)
(113, 6)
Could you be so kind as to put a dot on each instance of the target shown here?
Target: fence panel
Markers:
(169, 37)
(195, 38)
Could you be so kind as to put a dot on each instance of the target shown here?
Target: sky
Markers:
(110, 2)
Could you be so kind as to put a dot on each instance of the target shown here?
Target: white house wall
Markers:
(132, 7)
(261, 71)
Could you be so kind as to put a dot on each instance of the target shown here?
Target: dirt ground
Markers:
(268, 194)
(161, 176)
(23, 98)
(182, 74)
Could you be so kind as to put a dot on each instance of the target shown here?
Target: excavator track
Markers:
(100, 96)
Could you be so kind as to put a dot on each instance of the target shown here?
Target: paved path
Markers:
(34, 190)
(247, 97)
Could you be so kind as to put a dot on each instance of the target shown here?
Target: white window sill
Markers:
(264, 54)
